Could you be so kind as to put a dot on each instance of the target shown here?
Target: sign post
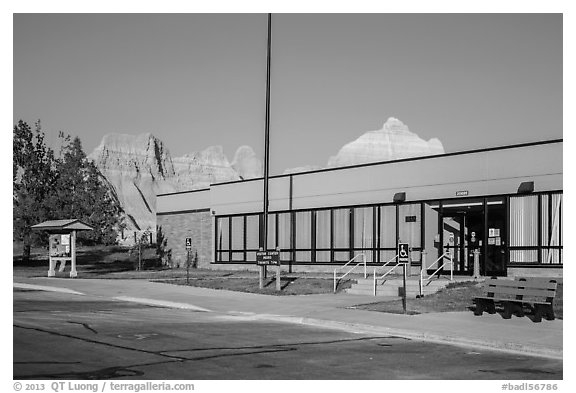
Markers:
(266, 258)
(188, 248)
(404, 259)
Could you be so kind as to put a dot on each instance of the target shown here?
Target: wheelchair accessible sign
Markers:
(403, 252)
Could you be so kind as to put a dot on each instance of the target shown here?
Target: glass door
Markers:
(495, 250)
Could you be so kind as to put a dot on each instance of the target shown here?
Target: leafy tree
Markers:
(70, 186)
(33, 178)
(82, 192)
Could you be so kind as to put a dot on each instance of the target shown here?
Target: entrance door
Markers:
(496, 255)
(462, 233)
(454, 235)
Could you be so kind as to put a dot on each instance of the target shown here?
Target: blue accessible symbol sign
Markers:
(403, 252)
(188, 243)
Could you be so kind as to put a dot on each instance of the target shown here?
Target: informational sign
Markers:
(59, 246)
(188, 243)
(494, 232)
(403, 252)
(461, 193)
(264, 258)
(410, 218)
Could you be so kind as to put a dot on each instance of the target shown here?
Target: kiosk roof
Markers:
(62, 225)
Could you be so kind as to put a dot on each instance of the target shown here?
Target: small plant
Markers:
(141, 242)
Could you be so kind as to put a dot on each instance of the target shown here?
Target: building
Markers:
(505, 202)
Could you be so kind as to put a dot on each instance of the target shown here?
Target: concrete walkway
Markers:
(517, 335)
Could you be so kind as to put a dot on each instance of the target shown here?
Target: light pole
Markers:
(264, 235)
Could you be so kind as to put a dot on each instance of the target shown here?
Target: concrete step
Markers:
(395, 287)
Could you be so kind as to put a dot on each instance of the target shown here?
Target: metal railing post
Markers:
(334, 281)
(374, 282)
(364, 257)
(451, 266)
(422, 269)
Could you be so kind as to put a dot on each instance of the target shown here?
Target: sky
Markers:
(197, 80)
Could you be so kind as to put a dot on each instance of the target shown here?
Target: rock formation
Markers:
(394, 141)
(138, 168)
(246, 164)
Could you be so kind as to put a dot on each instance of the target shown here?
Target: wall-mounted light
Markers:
(526, 187)
(399, 197)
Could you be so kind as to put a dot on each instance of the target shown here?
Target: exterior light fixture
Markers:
(526, 187)
(399, 197)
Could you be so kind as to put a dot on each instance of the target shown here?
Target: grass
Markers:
(455, 297)
(291, 284)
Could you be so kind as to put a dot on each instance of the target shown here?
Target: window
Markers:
(364, 232)
(536, 229)
(303, 236)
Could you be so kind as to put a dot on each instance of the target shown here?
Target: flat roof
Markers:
(515, 146)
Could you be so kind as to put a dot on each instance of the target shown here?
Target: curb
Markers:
(46, 288)
(508, 347)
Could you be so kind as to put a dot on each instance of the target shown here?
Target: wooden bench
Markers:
(535, 293)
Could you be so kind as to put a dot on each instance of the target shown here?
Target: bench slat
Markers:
(526, 284)
(517, 291)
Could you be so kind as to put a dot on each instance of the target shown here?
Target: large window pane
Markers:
(223, 233)
(524, 221)
(238, 233)
(271, 231)
(341, 228)
(363, 227)
(303, 230)
(252, 232)
(284, 231)
(323, 229)
(388, 227)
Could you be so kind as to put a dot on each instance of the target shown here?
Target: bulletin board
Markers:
(60, 246)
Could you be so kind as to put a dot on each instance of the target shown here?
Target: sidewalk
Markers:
(517, 335)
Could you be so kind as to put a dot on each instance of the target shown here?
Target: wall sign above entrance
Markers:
(462, 193)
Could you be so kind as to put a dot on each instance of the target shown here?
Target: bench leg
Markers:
(512, 308)
(543, 310)
(484, 305)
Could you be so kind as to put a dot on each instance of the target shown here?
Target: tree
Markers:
(82, 192)
(33, 178)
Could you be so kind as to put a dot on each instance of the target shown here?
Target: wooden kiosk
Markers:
(62, 243)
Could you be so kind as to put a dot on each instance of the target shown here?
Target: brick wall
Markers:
(196, 225)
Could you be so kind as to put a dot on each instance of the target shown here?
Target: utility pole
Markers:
(264, 236)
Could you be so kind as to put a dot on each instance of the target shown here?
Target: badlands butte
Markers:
(137, 168)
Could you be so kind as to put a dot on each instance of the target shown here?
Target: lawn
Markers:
(455, 297)
(291, 284)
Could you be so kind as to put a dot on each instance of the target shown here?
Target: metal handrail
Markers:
(350, 270)
(385, 274)
(441, 258)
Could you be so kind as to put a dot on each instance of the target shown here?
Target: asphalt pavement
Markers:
(334, 311)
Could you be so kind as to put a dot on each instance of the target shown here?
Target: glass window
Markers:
(223, 233)
(303, 230)
(284, 231)
(238, 233)
(363, 227)
(524, 221)
(323, 229)
(341, 228)
(252, 232)
(388, 227)
(271, 231)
